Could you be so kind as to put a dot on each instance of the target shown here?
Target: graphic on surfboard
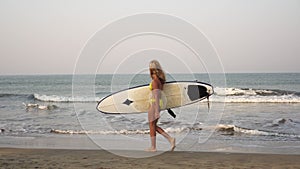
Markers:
(137, 99)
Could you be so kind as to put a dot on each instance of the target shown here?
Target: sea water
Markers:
(253, 113)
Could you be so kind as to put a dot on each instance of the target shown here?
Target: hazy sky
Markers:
(46, 36)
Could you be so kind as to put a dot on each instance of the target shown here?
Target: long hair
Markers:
(155, 68)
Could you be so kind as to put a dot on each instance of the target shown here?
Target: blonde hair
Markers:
(155, 68)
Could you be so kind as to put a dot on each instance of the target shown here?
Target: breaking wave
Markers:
(248, 95)
(66, 99)
(50, 98)
(253, 92)
(232, 130)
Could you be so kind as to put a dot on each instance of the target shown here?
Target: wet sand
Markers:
(99, 159)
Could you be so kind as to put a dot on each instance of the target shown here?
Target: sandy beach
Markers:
(59, 158)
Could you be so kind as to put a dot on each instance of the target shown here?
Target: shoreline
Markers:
(70, 158)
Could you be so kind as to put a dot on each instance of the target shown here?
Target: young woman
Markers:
(156, 86)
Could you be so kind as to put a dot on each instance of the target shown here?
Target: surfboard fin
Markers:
(171, 113)
(208, 105)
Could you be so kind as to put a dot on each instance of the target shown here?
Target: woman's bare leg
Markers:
(167, 136)
(152, 127)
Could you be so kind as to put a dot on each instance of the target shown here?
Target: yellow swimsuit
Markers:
(152, 100)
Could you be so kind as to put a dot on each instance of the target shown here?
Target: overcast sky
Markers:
(47, 36)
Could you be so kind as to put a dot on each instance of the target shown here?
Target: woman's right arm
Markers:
(156, 95)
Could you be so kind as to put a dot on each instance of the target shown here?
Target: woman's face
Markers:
(152, 72)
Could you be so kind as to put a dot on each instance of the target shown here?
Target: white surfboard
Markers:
(137, 99)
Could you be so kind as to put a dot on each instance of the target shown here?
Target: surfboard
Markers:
(137, 99)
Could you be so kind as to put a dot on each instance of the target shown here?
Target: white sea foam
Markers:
(228, 129)
(116, 132)
(239, 95)
(232, 129)
(256, 99)
(55, 98)
(233, 91)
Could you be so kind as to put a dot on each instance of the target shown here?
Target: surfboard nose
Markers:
(210, 90)
(196, 92)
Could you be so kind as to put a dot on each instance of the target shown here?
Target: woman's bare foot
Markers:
(151, 149)
(173, 143)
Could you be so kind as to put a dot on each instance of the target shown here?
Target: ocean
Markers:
(250, 112)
